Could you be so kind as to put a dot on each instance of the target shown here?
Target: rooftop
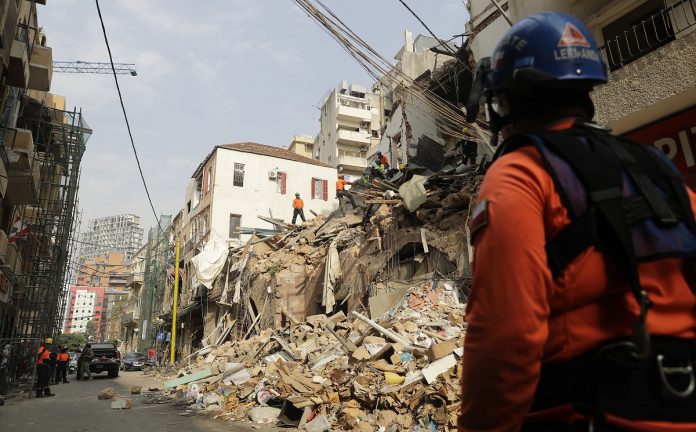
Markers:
(264, 150)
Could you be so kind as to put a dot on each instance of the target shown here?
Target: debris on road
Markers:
(135, 389)
(122, 403)
(107, 393)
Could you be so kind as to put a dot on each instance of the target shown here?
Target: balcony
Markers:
(18, 68)
(134, 281)
(354, 138)
(40, 68)
(349, 113)
(22, 171)
(352, 162)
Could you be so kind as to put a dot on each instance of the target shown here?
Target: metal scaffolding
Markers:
(158, 259)
(38, 275)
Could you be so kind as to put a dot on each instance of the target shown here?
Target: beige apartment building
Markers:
(303, 145)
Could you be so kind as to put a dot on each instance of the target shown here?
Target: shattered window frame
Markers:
(238, 179)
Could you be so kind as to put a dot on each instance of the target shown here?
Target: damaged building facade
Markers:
(649, 47)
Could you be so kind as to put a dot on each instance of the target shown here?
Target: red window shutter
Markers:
(313, 191)
(283, 183)
(326, 189)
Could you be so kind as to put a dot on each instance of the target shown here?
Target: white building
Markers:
(238, 182)
(649, 47)
(349, 123)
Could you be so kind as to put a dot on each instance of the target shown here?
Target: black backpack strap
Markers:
(599, 168)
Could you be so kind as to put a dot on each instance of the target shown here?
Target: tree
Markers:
(73, 341)
(91, 330)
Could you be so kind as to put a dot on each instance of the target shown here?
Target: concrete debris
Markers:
(135, 389)
(304, 376)
(122, 403)
(347, 322)
(107, 393)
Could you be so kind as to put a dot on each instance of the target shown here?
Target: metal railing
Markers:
(657, 30)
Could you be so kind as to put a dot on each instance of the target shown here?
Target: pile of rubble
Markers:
(332, 372)
(351, 321)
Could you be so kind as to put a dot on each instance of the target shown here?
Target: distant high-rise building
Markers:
(120, 233)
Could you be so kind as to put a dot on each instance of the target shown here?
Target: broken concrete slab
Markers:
(438, 367)
(205, 373)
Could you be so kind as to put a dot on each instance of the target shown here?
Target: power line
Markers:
(125, 115)
(447, 47)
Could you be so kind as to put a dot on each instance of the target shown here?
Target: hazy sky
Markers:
(209, 72)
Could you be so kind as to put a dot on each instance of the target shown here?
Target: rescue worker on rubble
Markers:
(43, 369)
(592, 324)
(297, 208)
(342, 192)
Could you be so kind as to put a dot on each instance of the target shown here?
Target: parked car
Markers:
(106, 359)
(134, 361)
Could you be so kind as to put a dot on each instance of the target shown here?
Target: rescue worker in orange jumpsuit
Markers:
(592, 325)
(297, 208)
(63, 361)
(341, 191)
(43, 370)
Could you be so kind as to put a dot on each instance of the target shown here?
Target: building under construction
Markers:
(158, 260)
(41, 148)
(119, 233)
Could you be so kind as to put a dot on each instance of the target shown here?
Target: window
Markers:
(637, 33)
(282, 182)
(320, 189)
(238, 175)
(235, 226)
(207, 179)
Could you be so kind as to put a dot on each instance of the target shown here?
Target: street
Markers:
(75, 408)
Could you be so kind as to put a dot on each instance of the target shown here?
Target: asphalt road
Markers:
(75, 408)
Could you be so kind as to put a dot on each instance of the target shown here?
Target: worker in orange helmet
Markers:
(591, 325)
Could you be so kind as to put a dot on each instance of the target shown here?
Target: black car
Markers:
(106, 359)
(134, 361)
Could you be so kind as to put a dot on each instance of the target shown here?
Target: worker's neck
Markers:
(544, 121)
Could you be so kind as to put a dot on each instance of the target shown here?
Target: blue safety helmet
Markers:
(548, 50)
(544, 48)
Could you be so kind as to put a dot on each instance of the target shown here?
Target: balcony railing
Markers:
(353, 137)
(352, 161)
(651, 33)
(132, 280)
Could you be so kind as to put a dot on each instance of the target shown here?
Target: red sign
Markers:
(676, 137)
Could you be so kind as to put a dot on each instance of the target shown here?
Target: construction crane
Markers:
(78, 66)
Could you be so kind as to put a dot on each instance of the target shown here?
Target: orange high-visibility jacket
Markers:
(297, 203)
(43, 356)
(63, 357)
(341, 184)
(519, 317)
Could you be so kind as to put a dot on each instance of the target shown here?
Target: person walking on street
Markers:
(581, 311)
(297, 208)
(43, 370)
(85, 360)
(341, 191)
(63, 360)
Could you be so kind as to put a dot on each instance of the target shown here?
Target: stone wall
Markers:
(661, 74)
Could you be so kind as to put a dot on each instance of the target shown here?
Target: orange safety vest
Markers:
(297, 203)
(44, 355)
(341, 184)
(63, 357)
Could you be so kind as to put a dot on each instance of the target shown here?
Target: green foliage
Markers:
(273, 268)
(91, 330)
(72, 341)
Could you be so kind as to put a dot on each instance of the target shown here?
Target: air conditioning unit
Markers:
(272, 175)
